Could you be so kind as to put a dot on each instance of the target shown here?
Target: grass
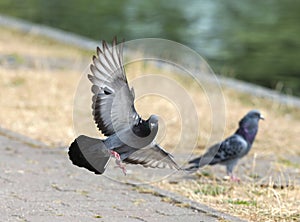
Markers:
(37, 100)
(288, 163)
(242, 202)
(246, 200)
(211, 190)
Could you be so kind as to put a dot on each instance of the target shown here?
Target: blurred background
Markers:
(258, 42)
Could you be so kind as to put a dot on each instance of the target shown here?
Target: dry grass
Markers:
(37, 97)
(246, 200)
(37, 100)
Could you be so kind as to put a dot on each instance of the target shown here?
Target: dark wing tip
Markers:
(90, 77)
(99, 51)
(92, 68)
(195, 160)
(104, 46)
(191, 169)
(115, 41)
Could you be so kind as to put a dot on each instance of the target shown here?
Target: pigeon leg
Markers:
(118, 161)
(234, 178)
(115, 154)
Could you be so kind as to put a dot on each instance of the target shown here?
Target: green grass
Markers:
(17, 81)
(211, 190)
(97, 216)
(288, 163)
(254, 176)
(242, 202)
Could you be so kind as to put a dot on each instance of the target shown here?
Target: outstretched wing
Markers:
(153, 156)
(113, 101)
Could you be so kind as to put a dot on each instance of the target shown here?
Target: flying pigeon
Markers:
(129, 138)
(229, 151)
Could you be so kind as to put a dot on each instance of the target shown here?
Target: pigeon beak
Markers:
(261, 117)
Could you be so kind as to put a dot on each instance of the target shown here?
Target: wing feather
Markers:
(113, 101)
(153, 157)
(231, 148)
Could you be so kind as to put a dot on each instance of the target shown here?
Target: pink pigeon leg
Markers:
(122, 166)
(234, 178)
(118, 161)
(115, 154)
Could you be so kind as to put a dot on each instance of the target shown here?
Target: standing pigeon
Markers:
(229, 151)
(129, 138)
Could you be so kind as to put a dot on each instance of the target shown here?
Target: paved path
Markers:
(40, 184)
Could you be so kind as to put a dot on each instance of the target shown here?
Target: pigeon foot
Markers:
(118, 161)
(234, 178)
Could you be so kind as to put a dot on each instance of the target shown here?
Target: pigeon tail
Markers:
(192, 169)
(195, 165)
(206, 159)
(89, 153)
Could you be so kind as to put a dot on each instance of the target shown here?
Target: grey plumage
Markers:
(229, 151)
(128, 135)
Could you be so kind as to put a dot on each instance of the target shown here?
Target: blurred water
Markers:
(257, 42)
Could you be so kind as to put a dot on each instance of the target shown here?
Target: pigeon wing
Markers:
(231, 148)
(113, 100)
(153, 156)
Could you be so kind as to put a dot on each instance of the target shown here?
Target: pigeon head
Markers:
(144, 132)
(146, 128)
(153, 122)
(248, 125)
(251, 117)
